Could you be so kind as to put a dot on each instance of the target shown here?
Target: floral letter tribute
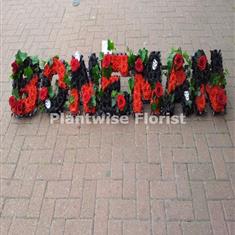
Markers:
(98, 90)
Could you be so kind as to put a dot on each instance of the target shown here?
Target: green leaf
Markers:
(51, 92)
(71, 99)
(111, 45)
(107, 72)
(101, 56)
(67, 80)
(93, 101)
(114, 94)
(154, 106)
(15, 93)
(131, 84)
(20, 57)
(35, 60)
(143, 53)
(113, 102)
(28, 72)
(66, 105)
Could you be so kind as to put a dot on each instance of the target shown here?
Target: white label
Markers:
(77, 55)
(48, 104)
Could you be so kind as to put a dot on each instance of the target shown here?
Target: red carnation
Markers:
(47, 71)
(75, 64)
(202, 62)
(121, 102)
(43, 93)
(106, 61)
(178, 61)
(180, 77)
(159, 89)
(139, 67)
(20, 107)
(104, 83)
(172, 82)
(200, 103)
(221, 97)
(86, 97)
(15, 67)
(146, 91)
(12, 102)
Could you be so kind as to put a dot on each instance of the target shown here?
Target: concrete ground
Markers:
(102, 179)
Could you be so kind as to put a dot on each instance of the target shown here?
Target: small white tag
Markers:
(186, 95)
(48, 104)
(155, 64)
(77, 55)
(105, 47)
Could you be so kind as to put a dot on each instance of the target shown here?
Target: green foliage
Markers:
(35, 60)
(67, 80)
(51, 92)
(131, 84)
(101, 56)
(153, 106)
(71, 99)
(15, 93)
(111, 45)
(20, 57)
(143, 53)
(107, 72)
(28, 72)
(113, 102)
(96, 74)
(114, 94)
(131, 58)
(93, 101)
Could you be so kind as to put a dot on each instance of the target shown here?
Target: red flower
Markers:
(104, 83)
(20, 107)
(178, 61)
(12, 102)
(106, 61)
(221, 97)
(202, 62)
(146, 91)
(113, 79)
(139, 67)
(15, 67)
(74, 107)
(43, 93)
(180, 77)
(200, 103)
(137, 106)
(171, 82)
(75, 64)
(121, 102)
(47, 71)
(159, 89)
(124, 69)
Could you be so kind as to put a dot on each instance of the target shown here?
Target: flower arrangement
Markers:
(25, 76)
(178, 64)
(121, 103)
(217, 83)
(200, 76)
(110, 80)
(141, 88)
(53, 85)
(53, 98)
(153, 75)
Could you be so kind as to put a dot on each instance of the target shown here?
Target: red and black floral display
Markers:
(200, 76)
(25, 77)
(215, 87)
(53, 96)
(56, 86)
